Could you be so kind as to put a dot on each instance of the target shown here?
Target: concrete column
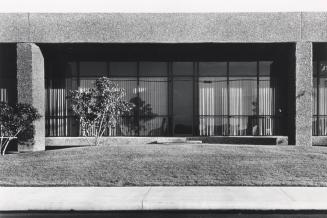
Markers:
(30, 89)
(303, 94)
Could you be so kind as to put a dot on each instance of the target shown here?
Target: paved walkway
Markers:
(162, 198)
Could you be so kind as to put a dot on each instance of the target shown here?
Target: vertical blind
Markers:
(319, 98)
(234, 98)
(238, 105)
(148, 94)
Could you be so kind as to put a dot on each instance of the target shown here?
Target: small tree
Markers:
(99, 108)
(15, 120)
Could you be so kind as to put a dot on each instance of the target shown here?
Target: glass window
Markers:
(243, 98)
(213, 106)
(243, 68)
(153, 106)
(183, 68)
(212, 68)
(267, 103)
(153, 68)
(118, 69)
(265, 68)
(127, 125)
(322, 110)
(93, 69)
(183, 105)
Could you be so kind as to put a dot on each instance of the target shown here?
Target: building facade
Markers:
(189, 74)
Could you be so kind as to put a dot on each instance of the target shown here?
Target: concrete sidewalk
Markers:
(162, 198)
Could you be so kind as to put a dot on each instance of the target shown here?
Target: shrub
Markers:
(15, 120)
(99, 108)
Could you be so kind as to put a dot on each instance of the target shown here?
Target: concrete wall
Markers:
(159, 28)
(30, 89)
(303, 94)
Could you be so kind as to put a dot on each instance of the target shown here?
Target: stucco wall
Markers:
(30, 89)
(303, 94)
(168, 28)
(314, 27)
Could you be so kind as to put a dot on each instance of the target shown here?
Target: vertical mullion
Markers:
(171, 96)
(108, 69)
(138, 97)
(258, 103)
(318, 95)
(195, 77)
(78, 87)
(228, 100)
(169, 100)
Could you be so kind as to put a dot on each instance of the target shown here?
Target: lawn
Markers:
(145, 165)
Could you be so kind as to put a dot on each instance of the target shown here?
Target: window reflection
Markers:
(233, 98)
(153, 118)
(182, 68)
(93, 69)
(240, 103)
(121, 69)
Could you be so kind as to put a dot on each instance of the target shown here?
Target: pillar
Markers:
(303, 94)
(30, 89)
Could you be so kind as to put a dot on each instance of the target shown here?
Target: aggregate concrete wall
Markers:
(314, 27)
(303, 94)
(199, 27)
(162, 27)
(82, 141)
(30, 89)
(319, 140)
(14, 27)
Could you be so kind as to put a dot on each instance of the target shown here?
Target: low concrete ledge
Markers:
(82, 141)
(319, 140)
(162, 198)
(252, 140)
(246, 140)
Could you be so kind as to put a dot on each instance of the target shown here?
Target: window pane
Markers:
(243, 105)
(322, 110)
(123, 69)
(213, 106)
(183, 105)
(265, 68)
(153, 68)
(60, 80)
(183, 68)
(153, 107)
(266, 121)
(127, 125)
(212, 68)
(93, 68)
(243, 68)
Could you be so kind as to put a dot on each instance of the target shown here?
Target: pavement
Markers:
(162, 198)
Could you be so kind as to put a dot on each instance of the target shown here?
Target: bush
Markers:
(99, 108)
(14, 121)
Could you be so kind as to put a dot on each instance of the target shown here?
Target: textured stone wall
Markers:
(303, 94)
(153, 27)
(314, 27)
(163, 27)
(30, 89)
(171, 28)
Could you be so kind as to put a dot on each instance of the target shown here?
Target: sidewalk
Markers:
(162, 198)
